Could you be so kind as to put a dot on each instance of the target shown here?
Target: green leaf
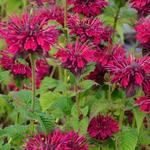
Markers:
(48, 83)
(83, 125)
(21, 98)
(74, 111)
(97, 107)
(87, 84)
(128, 139)
(13, 6)
(6, 147)
(13, 131)
(46, 122)
(4, 77)
(90, 67)
(139, 116)
(85, 111)
(74, 123)
(47, 99)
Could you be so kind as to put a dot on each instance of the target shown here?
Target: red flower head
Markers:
(142, 6)
(98, 74)
(102, 127)
(29, 34)
(89, 7)
(144, 103)
(76, 56)
(57, 141)
(6, 61)
(42, 142)
(146, 86)
(73, 141)
(20, 70)
(106, 55)
(143, 32)
(42, 69)
(129, 72)
(89, 29)
(56, 13)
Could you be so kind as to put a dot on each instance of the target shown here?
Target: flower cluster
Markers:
(144, 101)
(20, 70)
(98, 74)
(107, 55)
(89, 29)
(76, 56)
(102, 127)
(31, 33)
(56, 13)
(57, 141)
(16, 68)
(42, 70)
(89, 7)
(129, 72)
(143, 32)
(142, 6)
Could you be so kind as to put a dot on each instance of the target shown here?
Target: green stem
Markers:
(32, 59)
(53, 71)
(109, 92)
(65, 19)
(134, 122)
(77, 99)
(116, 21)
(121, 118)
(17, 118)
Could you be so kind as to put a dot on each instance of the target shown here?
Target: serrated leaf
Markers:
(87, 84)
(21, 98)
(46, 122)
(47, 99)
(83, 125)
(13, 131)
(74, 111)
(128, 139)
(48, 83)
(139, 116)
(85, 111)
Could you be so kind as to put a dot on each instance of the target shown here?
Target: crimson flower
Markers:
(57, 141)
(31, 33)
(56, 13)
(98, 74)
(76, 56)
(142, 6)
(102, 127)
(89, 29)
(143, 32)
(42, 69)
(42, 142)
(129, 72)
(144, 103)
(21, 70)
(146, 86)
(106, 55)
(6, 61)
(89, 7)
(17, 69)
(73, 141)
